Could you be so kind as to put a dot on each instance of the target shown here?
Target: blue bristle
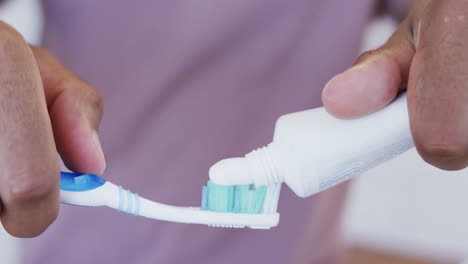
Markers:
(220, 198)
(233, 199)
(230, 199)
(243, 190)
(250, 202)
(260, 194)
(237, 195)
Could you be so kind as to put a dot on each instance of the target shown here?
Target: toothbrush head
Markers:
(247, 200)
(233, 199)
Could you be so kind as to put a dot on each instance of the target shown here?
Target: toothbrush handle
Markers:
(92, 190)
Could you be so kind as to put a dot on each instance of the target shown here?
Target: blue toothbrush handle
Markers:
(92, 190)
(77, 182)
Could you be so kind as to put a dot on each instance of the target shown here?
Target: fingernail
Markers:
(101, 161)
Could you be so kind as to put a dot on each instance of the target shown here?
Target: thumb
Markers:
(374, 80)
(75, 110)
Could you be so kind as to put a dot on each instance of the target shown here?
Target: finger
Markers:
(373, 81)
(29, 169)
(76, 110)
(438, 86)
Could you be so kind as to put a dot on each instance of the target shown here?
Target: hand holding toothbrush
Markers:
(43, 108)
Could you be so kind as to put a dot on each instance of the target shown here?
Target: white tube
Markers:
(312, 151)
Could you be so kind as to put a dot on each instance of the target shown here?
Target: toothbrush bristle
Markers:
(245, 199)
(228, 226)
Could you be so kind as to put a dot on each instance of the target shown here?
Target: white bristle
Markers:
(227, 226)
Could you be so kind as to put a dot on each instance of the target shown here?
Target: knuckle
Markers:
(31, 204)
(33, 189)
(88, 98)
(93, 106)
(94, 100)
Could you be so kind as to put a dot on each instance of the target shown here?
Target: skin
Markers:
(427, 56)
(44, 109)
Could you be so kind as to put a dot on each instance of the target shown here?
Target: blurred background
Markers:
(401, 212)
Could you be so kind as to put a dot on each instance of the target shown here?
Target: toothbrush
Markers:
(311, 151)
(222, 206)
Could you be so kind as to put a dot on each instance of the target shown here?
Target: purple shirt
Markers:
(185, 84)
